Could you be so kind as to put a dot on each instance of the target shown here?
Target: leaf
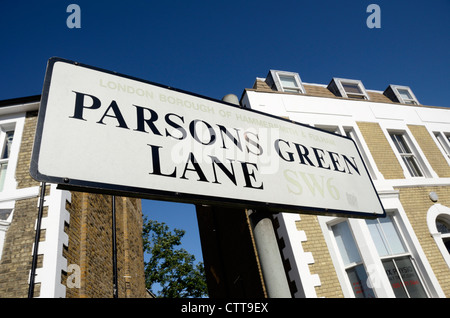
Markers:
(169, 266)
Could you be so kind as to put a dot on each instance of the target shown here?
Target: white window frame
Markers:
(4, 162)
(410, 101)
(407, 253)
(350, 266)
(380, 284)
(299, 89)
(358, 96)
(4, 225)
(335, 129)
(443, 141)
(353, 133)
(377, 278)
(438, 211)
(6, 125)
(413, 154)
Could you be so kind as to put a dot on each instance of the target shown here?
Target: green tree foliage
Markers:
(170, 268)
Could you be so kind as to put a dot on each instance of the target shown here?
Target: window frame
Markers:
(443, 141)
(4, 225)
(372, 261)
(351, 265)
(340, 86)
(4, 131)
(444, 236)
(8, 125)
(351, 132)
(435, 212)
(393, 256)
(278, 83)
(412, 101)
(404, 157)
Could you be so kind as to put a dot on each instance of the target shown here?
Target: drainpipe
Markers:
(36, 242)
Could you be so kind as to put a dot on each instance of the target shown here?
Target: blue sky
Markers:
(218, 47)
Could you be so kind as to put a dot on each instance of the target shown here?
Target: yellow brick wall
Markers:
(381, 150)
(90, 246)
(23, 177)
(431, 150)
(16, 259)
(323, 265)
(416, 202)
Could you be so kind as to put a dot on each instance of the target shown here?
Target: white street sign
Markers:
(105, 132)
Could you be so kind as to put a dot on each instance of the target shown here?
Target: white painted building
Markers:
(406, 148)
(13, 189)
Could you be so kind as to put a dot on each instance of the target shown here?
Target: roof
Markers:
(20, 100)
(320, 90)
(22, 104)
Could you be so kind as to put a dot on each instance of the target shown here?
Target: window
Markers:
(348, 88)
(332, 129)
(351, 258)
(7, 138)
(379, 258)
(289, 84)
(408, 157)
(438, 221)
(443, 227)
(396, 259)
(351, 133)
(352, 90)
(404, 95)
(444, 142)
(285, 82)
(5, 221)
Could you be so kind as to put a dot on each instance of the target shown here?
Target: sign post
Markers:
(114, 248)
(269, 255)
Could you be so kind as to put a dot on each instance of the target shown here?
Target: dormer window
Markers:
(401, 94)
(348, 88)
(406, 95)
(285, 82)
(352, 90)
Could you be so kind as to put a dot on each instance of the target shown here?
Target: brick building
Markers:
(75, 248)
(406, 148)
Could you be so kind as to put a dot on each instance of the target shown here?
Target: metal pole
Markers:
(114, 248)
(36, 242)
(269, 255)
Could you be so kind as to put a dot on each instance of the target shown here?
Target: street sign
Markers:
(105, 132)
